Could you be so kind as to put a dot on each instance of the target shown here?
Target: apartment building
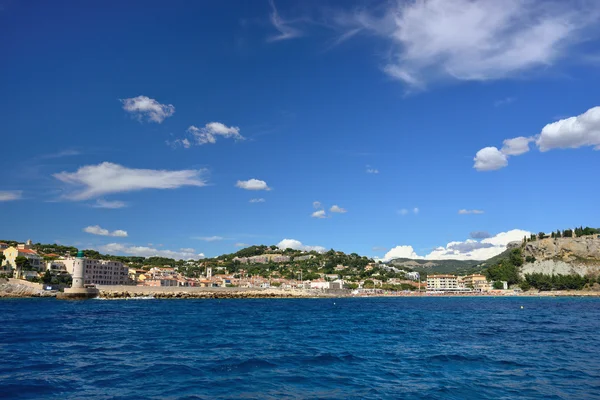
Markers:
(442, 282)
(477, 282)
(101, 272)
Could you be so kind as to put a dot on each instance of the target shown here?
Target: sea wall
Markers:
(114, 291)
(21, 288)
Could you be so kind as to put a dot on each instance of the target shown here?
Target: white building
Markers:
(101, 272)
(442, 283)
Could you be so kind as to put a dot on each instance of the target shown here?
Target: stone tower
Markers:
(78, 271)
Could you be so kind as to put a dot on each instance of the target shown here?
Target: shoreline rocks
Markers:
(12, 288)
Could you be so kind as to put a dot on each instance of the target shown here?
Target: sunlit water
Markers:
(459, 348)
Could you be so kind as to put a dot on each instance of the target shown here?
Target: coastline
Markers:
(21, 289)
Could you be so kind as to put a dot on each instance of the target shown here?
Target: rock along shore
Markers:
(124, 292)
(17, 288)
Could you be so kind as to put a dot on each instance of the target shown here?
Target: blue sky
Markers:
(188, 128)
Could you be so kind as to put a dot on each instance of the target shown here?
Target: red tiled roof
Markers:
(27, 251)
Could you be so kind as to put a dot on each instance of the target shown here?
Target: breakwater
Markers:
(174, 292)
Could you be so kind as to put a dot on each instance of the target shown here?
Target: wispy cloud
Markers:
(11, 195)
(97, 230)
(286, 30)
(505, 101)
(465, 212)
(208, 134)
(371, 170)
(60, 154)
(101, 203)
(473, 40)
(406, 211)
(259, 200)
(210, 238)
(94, 181)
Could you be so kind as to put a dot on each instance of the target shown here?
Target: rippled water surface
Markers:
(445, 348)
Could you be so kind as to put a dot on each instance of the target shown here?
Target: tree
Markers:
(498, 285)
(541, 235)
(47, 278)
(557, 233)
(21, 263)
(369, 284)
(567, 233)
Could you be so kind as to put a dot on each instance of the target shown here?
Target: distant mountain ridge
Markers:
(440, 266)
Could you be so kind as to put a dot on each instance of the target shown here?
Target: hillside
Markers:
(460, 267)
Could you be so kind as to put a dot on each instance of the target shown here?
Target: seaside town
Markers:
(55, 271)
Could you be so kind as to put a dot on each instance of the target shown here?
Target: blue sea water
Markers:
(380, 348)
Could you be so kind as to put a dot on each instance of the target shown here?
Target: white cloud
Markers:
(516, 146)
(317, 204)
(297, 245)
(319, 214)
(10, 195)
(337, 209)
(209, 134)
(142, 251)
(464, 211)
(476, 40)
(574, 132)
(503, 102)
(371, 170)
(240, 244)
(96, 180)
(286, 31)
(97, 230)
(261, 200)
(253, 184)
(468, 250)
(490, 159)
(143, 106)
(401, 252)
(405, 211)
(571, 133)
(101, 203)
(210, 238)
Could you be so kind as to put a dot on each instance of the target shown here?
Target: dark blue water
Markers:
(444, 348)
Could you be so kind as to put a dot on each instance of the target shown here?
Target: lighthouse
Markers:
(78, 289)
(78, 270)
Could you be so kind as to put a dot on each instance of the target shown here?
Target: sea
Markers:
(344, 348)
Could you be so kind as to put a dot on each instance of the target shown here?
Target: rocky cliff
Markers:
(565, 256)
